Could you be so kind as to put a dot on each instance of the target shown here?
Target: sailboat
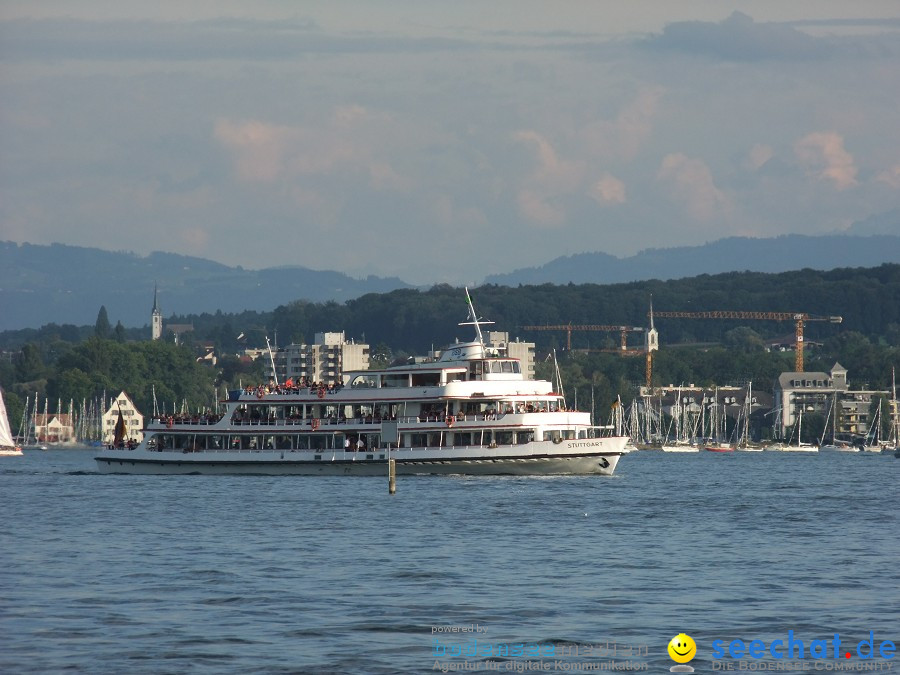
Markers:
(744, 442)
(800, 446)
(893, 444)
(872, 442)
(834, 445)
(8, 447)
(717, 442)
(680, 443)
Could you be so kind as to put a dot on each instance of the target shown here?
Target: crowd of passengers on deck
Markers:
(206, 417)
(245, 416)
(292, 387)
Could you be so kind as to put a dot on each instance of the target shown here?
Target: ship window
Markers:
(283, 442)
(303, 442)
(235, 443)
(317, 441)
(524, 436)
(477, 370)
(552, 435)
(503, 437)
(418, 440)
(368, 381)
(507, 367)
(462, 438)
(426, 379)
(395, 380)
(215, 442)
(269, 442)
(250, 442)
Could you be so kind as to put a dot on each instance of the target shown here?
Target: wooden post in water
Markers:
(392, 476)
(390, 434)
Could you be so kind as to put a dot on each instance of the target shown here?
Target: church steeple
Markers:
(155, 317)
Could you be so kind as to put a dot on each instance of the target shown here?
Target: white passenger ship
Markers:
(469, 411)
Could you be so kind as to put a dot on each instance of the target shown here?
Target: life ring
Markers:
(314, 423)
(321, 393)
(449, 420)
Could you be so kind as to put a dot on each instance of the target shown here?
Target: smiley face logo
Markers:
(682, 648)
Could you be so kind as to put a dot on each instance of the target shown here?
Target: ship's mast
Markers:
(475, 321)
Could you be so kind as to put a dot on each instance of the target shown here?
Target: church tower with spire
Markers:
(155, 317)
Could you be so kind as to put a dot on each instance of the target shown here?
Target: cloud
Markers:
(758, 156)
(692, 184)
(628, 133)
(350, 142)
(890, 177)
(447, 212)
(739, 38)
(552, 178)
(824, 156)
(608, 190)
(258, 148)
(211, 39)
(536, 208)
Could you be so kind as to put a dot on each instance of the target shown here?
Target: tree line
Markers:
(72, 363)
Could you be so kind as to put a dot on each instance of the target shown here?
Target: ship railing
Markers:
(317, 422)
(349, 453)
(202, 420)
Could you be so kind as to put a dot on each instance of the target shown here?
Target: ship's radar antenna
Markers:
(475, 321)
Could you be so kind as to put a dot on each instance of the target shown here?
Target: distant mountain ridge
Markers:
(734, 254)
(68, 284)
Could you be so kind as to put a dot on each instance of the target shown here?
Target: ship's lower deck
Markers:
(591, 456)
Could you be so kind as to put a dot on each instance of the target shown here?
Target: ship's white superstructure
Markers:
(469, 411)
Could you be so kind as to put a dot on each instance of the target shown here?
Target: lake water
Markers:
(196, 574)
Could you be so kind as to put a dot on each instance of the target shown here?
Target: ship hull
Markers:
(599, 457)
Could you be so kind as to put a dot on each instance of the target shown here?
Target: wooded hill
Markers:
(63, 362)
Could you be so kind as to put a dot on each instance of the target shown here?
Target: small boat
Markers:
(469, 410)
(678, 446)
(718, 447)
(8, 447)
(838, 446)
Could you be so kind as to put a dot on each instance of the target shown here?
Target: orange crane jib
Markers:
(799, 317)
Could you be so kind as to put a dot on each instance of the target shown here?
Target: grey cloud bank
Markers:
(437, 149)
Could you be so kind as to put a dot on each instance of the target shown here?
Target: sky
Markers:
(443, 141)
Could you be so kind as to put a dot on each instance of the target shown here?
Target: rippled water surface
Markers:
(173, 574)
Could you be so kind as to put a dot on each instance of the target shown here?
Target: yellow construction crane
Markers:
(799, 318)
(622, 330)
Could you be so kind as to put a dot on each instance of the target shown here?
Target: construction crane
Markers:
(798, 317)
(622, 330)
